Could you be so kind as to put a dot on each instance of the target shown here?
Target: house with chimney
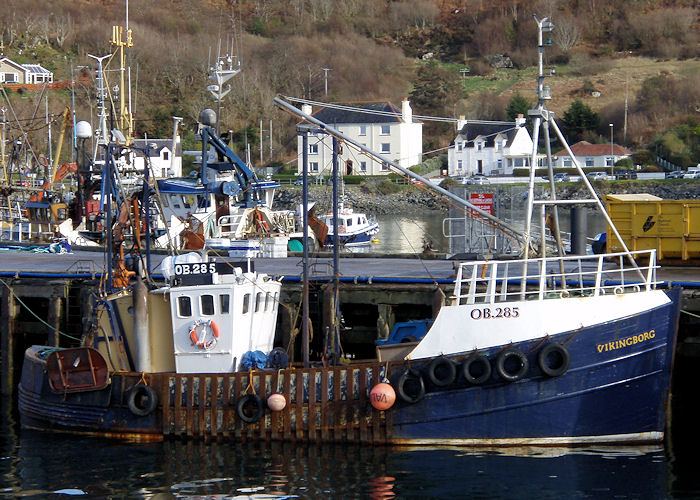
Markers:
(489, 148)
(379, 126)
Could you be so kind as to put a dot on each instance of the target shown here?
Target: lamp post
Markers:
(612, 157)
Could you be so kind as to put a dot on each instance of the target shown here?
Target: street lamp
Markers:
(612, 157)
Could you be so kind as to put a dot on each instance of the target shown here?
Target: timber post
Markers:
(8, 321)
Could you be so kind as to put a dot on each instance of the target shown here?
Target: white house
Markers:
(592, 155)
(163, 163)
(12, 72)
(379, 126)
(489, 148)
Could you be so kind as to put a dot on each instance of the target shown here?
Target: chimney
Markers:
(461, 122)
(406, 112)
(520, 121)
(306, 109)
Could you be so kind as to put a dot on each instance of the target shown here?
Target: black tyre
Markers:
(411, 386)
(441, 372)
(511, 365)
(476, 369)
(553, 360)
(142, 400)
(249, 408)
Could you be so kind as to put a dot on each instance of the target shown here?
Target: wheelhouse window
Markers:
(184, 306)
(259, 300)
(207, 304)
(268, 300)
(246, 303)
(224, 303)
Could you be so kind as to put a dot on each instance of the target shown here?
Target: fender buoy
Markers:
(511, 365)
(142, 400)
(276, 402)
(199, 337)
(476, 369)
(411, 386)
(249, 408)
(441, 371)
(553, 360)
(382, 396)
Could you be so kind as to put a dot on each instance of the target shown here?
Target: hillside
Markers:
(372, 50)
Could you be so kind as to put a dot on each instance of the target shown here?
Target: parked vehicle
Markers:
(597, 176)
(692, 174)
(561, 177)
(676, 174)
(478, 180)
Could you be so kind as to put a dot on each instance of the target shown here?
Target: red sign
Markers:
(482, 201)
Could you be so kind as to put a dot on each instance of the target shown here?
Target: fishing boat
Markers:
(354, 228)
(549, 349)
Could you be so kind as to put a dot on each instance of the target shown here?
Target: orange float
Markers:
(382, 396)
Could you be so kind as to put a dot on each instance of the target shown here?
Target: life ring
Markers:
(557, 353)
(243, 408)
(505, 362)
(142, 400)
(198, 334)
(618, 290)
(441, 371)
(261, 222)
(483, 366)
(407, 392)
(564, 294)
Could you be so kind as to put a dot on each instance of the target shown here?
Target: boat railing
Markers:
(555, 277)
(228, 225)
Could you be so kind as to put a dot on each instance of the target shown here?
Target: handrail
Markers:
(583, 275)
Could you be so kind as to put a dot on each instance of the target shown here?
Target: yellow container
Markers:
(645, 221)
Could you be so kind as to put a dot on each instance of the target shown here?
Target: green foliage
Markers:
(435, 90)
(578, 119)
(516, 106)
(680, 144)
(625, 163)
(388, 187)
(643, 157)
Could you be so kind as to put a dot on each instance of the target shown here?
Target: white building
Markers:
(592, 155)
(379, 126)
(12, 72)
(489, 148)
(163, 163)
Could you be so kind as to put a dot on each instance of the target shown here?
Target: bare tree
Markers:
(63, 29)
(566, 34)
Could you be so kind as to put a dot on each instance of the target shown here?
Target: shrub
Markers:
(388, 187)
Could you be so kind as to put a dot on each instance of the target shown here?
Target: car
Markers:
(561, 177)
(299, 182)
(695, 174)
(462, 180)
(478, 180)
(676, 174)
(597, 176)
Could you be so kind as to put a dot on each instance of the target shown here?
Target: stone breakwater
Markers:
(416, 199)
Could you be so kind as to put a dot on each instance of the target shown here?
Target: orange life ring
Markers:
(260, 221)
(198, 334)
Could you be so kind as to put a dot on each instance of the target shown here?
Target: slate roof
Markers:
(585, 148)
(489, 131)
(337, 116)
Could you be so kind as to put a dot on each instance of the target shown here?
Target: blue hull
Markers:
(615, 390)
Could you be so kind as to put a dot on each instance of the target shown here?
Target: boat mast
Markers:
(125, 120)
(544, 118)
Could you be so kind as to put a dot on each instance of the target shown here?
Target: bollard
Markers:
(579, 230)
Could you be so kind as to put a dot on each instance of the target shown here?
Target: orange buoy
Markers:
(382, 396)
(276, 402)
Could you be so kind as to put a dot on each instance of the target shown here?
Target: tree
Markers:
(578, 120)
(517, 105)
(435, 90)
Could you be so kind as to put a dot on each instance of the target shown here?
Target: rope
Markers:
(36, 316)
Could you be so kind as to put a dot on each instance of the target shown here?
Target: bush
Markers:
(388, 187)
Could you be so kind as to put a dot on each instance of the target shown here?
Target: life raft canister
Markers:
(204, 334)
